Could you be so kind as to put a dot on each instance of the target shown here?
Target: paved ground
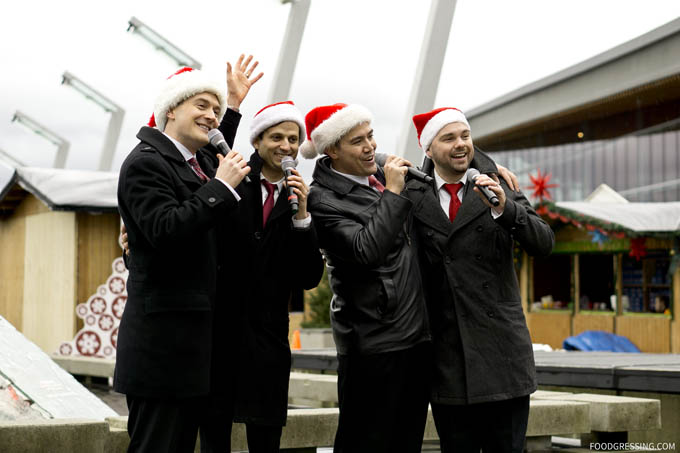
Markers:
(115, 401)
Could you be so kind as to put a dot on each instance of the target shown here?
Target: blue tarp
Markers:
(597, 340)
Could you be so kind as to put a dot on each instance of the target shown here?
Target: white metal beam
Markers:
(428, 71)
(290, 47)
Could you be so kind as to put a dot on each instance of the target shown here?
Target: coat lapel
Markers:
(471, 208)
(428, 210)
(281, 207)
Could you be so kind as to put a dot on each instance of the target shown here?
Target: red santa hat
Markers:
(274, 114)
(179, 87)
(329, 123)
(429, 124)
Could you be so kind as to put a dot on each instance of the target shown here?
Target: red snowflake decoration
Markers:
(540, 185)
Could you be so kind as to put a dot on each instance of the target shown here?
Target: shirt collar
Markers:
(186, 154)
(358, 179)
(440, 182)
(278, 183)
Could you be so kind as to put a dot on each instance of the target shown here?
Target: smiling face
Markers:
(354, 154)
(274, 144)
(190, 121)
(452, 151)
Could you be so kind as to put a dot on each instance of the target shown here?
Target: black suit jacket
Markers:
(482, 346)
(164, 340)
(260, 270)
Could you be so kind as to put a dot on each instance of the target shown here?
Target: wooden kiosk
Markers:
(615, 267)
(58, 238)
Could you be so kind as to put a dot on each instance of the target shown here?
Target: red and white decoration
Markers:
(101, 315)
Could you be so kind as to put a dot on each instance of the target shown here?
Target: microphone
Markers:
(218, 141)
(413, 173)
(473, 174)
(287, 165)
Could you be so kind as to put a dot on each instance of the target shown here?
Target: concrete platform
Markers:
(601, 370)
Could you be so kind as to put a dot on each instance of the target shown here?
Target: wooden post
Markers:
(524, 282)
(576, 282)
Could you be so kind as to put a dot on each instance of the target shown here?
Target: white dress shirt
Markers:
(445, 197)
(278, 187)
(188, 155)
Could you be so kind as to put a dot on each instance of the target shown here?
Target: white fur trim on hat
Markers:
(181, 87)
(334, 128)
(276, 114)
(436, 124)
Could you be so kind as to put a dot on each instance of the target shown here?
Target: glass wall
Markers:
(641, 168)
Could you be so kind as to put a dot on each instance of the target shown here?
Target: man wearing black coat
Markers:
(273, 255)
(170, 197)
(484, 368)
(378, 311)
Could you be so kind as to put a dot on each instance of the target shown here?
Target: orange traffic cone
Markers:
(295, 343)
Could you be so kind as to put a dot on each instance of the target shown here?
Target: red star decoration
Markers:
(637, 248)
(541, 186)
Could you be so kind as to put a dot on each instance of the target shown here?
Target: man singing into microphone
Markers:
(271, 256)
(171, 197)
(378, 310)
(484, 367)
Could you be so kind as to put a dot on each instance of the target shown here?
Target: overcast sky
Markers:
(353, 51)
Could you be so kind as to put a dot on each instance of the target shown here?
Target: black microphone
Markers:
(218, 141)
(413, 173)
(473, 174)
(288, 164)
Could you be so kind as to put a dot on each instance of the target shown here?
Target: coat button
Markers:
(429, 234)
(212, 200)
(258, 235)
(490, 314)
(478, 257)
(485, 285)
(447, 260)
(479, 228)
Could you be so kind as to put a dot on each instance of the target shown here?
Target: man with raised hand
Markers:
(171, 196)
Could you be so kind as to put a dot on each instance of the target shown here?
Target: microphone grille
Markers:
(288, 162)
(380, 159)
(215, 136)
(472, 173)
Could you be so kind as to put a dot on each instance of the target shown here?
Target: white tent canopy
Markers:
(607, 205)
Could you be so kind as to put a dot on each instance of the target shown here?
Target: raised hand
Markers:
(239, 80)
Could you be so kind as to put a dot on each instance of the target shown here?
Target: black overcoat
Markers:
(483, 350)
(260, 270)
(164, 340)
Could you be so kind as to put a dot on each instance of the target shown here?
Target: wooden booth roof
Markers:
(59, 189)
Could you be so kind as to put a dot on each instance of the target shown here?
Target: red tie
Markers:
(197, 169)
(373, 182)
(269, 202)
(454, 204)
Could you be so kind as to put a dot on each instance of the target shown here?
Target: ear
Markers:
(256, 143)
(170, 114)
(332, 152)
(428, 153)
